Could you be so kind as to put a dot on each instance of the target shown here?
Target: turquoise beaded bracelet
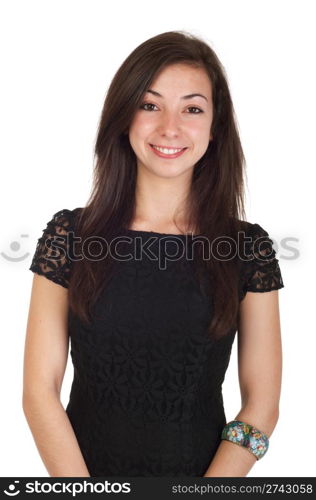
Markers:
(248, 436)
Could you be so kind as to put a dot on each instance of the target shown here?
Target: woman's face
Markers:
(171, 117)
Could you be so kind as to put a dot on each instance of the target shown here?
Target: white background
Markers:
(57, 61)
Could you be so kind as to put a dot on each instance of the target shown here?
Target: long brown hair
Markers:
(216, 195)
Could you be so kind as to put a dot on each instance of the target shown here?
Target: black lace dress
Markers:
(146, 397)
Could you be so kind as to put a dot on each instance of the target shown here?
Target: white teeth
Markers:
(167, 151)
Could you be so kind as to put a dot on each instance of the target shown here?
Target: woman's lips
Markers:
(163, 155)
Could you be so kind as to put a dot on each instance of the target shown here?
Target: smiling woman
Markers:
(182, 120)
(150, 344)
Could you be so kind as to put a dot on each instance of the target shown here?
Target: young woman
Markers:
(150, 281)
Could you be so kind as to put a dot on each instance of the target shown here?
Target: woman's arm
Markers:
(260, 372)
(45, 360)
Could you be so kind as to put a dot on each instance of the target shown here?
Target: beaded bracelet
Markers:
(248, 436)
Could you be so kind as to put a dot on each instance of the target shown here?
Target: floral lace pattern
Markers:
(146, 397)
(261, 271)
(51, 254)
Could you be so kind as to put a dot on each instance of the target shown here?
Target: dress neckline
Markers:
(139, 231)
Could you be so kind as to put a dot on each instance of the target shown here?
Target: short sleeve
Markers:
(52, 256)
(261, 270)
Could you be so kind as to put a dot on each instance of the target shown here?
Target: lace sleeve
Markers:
(261, 270)
(51, 258)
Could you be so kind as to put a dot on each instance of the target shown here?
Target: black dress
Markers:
(146, 397)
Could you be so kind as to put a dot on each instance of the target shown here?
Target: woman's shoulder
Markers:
(260, 269)
(257, 240)
(65, 217)
(251, 229)
(53, 252)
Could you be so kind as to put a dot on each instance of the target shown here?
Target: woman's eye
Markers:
(194, 112)
(143, 106)
(147, 106)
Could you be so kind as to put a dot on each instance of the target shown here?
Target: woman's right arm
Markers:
(45, 360)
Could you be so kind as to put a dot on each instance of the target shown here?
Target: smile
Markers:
(167, 152)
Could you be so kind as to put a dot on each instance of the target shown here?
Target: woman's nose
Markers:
(169, 124)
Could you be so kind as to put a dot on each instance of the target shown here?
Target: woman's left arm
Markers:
(260, 373)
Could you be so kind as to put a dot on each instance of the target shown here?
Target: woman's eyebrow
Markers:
(189, 96)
